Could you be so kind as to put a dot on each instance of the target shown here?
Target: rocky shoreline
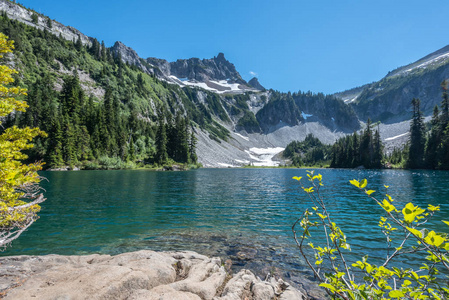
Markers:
(136, 275)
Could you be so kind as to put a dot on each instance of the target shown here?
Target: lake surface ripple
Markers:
(240, 214)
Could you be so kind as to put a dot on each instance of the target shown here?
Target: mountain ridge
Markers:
(226, 111)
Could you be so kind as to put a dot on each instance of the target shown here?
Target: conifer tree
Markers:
(433, 140)
(161, 141)
(366, 146)
(192, 148)
(444, 105)
(417, 137)
(378, 150)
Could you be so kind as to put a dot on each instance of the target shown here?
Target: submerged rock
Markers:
(135, 275)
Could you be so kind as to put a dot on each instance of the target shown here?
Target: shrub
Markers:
(405, 233)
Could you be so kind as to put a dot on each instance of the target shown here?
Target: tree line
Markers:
(429, 150)
(359, 149)
(114, 130)
(427, 147)
(94, 134)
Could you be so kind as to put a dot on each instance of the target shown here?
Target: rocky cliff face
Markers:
(17, 12)
(254, 82)
(388, 100)
(130, 56)
(202, 70)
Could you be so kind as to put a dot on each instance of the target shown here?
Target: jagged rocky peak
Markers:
(130, 56)
(215, 74)
(254, 82)
(202, 70)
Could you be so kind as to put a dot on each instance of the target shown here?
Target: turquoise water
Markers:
(242, 214)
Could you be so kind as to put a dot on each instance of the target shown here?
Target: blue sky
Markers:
(318, 45)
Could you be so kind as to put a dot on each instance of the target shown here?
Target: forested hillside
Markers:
(96, 109)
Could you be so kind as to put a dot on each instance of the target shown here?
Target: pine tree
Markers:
(444, 154)
(378, 150)
(192, 148)
(78, 43)
(444, 119)
(161, 141)
(417, 137)
(366, 146)
(55, 145)
(433, 140)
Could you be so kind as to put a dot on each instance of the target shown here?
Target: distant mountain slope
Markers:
(388, 100)
(18, 12)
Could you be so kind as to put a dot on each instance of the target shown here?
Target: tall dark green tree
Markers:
(192, 148)
(444, 119)
(417, 137)
(161, 140)
(433, 140)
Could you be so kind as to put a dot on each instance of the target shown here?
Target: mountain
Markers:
(26, 16)
(254, 82)
(103, 105)
(216, 74)
(389, 99)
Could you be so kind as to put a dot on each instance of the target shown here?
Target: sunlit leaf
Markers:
(355, 182)
(328, 286)
(363, 183)
(415, 232)
(434, 239)
(396, 294)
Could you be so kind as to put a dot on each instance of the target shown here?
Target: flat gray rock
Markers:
(134, 276)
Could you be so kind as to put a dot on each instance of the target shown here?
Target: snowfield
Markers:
(219, 87)
(263, 157)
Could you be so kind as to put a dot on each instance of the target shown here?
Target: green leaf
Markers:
(369, 192)
(328, 286)
(297, 178)
(415, 232)
(321, 216)
(434, 239)
(355, 182)
(408, 212)
(396, 294)
(363, 183)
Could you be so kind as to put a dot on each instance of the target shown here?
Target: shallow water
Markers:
(240, 214)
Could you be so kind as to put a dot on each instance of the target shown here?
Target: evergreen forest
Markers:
(114, 126)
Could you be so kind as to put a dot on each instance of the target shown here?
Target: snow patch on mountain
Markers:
(397, 136)
(219, 87)
(305, 116)
(436, 60)
(241, 136)
(264, 156)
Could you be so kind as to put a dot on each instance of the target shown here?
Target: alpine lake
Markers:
(241, 215)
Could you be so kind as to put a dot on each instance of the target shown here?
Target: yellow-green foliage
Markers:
(405, 233)
(18, 181)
